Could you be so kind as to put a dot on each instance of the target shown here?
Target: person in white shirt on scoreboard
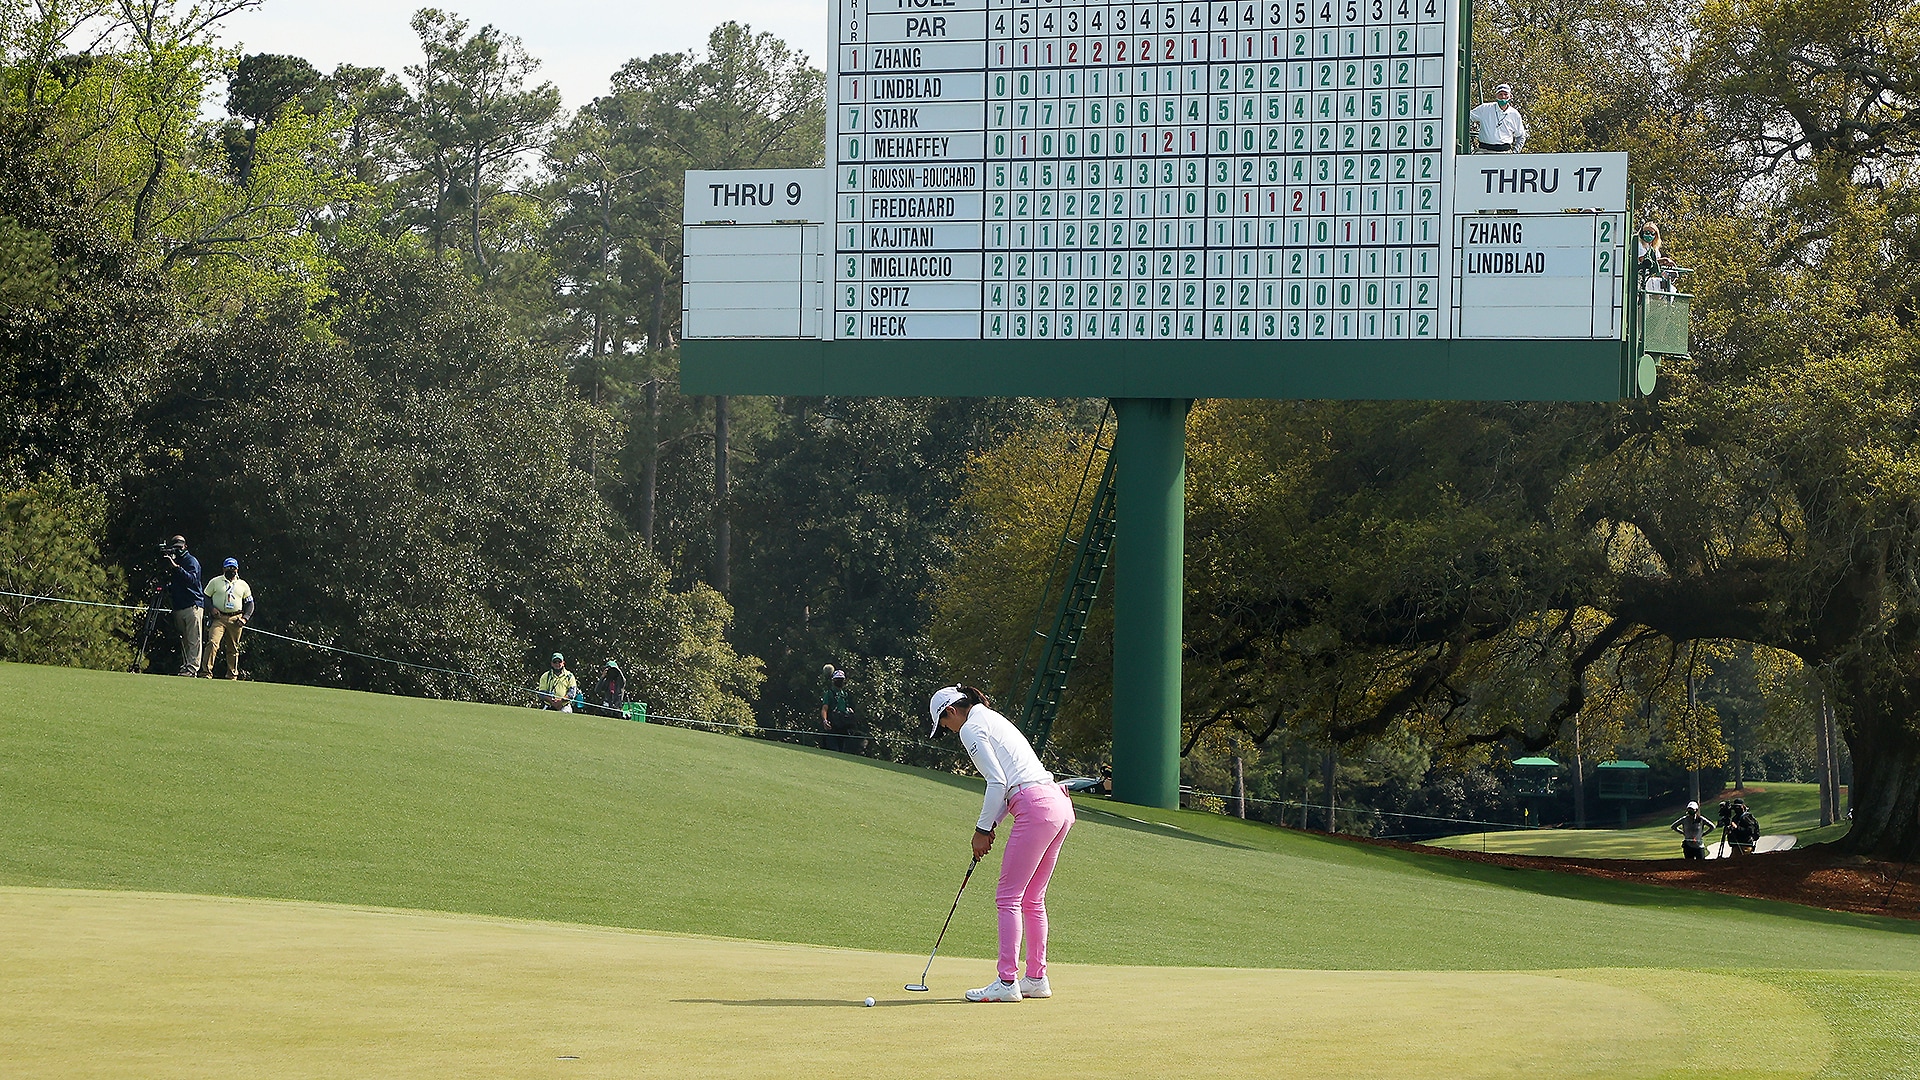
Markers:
(1497, 127)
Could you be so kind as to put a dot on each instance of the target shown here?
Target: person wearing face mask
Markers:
(229, 607)
(1497, 126)
(558, 687)
(1656, 270)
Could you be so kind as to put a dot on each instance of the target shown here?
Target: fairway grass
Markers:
(131, 985)
(287, 792)
(1783, 809)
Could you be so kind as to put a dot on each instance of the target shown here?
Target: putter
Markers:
(921, 986)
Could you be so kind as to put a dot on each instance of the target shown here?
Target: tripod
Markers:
(146, 630)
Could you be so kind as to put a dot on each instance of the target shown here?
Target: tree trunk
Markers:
(1823, 746)
(473, 217)
(441, 182)
(649, 460)
(650, 466)
(1833, 764)
(1693, 739)
(1327, 778)
(143, 203)
(722, 542)
(599, 330)
(1579, 780)
(1239, 787)
(1885, 745)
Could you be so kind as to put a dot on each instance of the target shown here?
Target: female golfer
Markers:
(1042, 814)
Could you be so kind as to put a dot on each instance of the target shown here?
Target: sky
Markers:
(579, 42)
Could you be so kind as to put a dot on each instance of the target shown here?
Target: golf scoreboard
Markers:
(1057, 171)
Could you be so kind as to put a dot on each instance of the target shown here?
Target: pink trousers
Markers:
(1042, 814)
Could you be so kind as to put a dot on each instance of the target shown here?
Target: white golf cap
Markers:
(1503, 88)
(937, 704)
(1693, 806)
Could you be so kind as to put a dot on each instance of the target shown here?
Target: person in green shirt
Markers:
(557, 686)
(836, 715)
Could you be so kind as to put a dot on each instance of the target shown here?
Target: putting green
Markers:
(104, 984)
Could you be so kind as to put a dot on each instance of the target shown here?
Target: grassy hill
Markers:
(1781, 808)
(172, 786)
(239, 789)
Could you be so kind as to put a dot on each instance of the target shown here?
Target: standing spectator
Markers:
(1497, 126)
(558, 687)
(1693, 830)
(609, 691)
(836, 713)
(230, 608)
(189, 603)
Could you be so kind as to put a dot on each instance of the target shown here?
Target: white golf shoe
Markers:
(996, 991)
(1035, 988)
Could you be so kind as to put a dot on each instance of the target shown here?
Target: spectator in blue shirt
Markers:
(189, 603)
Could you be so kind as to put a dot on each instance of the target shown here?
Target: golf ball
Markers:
(869, 1003)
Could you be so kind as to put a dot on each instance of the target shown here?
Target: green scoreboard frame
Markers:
(1448, 369)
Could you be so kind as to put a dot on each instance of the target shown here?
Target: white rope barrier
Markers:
(497, 682)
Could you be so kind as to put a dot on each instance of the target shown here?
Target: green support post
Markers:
(1150, 505)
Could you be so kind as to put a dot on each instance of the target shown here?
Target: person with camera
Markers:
(609, 692)
(230, 607)
(189, 603)
(1693, 830)
(1745, 830)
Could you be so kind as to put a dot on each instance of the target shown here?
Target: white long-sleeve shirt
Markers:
(1496, 126)
(1003, 757)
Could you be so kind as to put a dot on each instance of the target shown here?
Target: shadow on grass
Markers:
(917, 772)
(818, 1003)
(1083, 812)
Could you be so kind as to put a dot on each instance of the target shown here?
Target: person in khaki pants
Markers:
(229, 606)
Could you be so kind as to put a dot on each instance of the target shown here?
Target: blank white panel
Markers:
(1529, 322)
(741, 268)
(745, 239)
(1524, 292)
(708, 295)
(742, 323)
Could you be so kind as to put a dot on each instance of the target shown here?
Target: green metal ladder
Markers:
(1059, 630)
